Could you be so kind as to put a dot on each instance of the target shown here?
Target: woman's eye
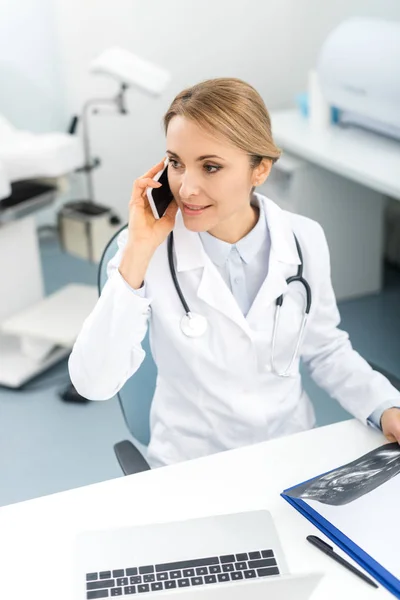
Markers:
(212, 167)
(216, 168)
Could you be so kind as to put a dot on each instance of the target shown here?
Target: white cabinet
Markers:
(351, 215)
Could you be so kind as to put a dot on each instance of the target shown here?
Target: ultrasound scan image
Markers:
(351, 481)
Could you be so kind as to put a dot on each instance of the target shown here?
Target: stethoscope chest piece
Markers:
(193, 325)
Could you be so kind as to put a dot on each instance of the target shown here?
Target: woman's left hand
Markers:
(390, 422)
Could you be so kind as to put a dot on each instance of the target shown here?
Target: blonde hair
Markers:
(232, 108)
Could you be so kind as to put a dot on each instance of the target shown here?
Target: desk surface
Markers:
(362, 156)
(37, 536)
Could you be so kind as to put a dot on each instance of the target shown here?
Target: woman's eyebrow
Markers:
(199, 158)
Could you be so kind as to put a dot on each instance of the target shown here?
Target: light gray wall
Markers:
(31, 93)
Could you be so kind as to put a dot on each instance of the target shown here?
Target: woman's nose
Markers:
(189, 185)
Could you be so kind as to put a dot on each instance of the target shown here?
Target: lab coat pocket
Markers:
(179, 351)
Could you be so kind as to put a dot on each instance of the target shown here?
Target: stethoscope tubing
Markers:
(279, 303)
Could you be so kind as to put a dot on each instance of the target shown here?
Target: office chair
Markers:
(136, 395)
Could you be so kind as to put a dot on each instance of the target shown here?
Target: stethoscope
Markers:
(195, 325)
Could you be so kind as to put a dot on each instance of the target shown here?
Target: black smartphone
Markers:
(160, 198)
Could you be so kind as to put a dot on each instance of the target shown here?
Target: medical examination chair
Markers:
(36, 330)
(136, 395)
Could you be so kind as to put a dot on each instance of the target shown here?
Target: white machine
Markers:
(223, 557)
(340, 174)
(358, 70)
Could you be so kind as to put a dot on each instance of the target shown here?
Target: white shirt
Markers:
(244, 265)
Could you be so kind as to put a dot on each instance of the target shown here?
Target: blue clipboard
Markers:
(386, 579)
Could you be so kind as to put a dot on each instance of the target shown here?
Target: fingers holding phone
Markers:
(160, 197)
(152, 208)
(140, 185)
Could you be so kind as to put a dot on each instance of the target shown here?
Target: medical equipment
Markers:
(33, 171)
(34, 158)
(130, 71)
(279, 302)
(195, 325)
(358, 74)
(86, 226)
(192, 324)
(32, 175)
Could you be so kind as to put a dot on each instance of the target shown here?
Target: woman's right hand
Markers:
(145, 231)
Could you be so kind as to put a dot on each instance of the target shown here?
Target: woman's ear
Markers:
(261, 172)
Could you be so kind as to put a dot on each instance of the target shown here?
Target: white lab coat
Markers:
(217, 392)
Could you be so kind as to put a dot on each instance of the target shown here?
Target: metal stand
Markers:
(119, 101)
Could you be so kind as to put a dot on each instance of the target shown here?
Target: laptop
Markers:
(223, 557)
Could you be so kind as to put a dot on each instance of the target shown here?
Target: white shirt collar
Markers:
(247, 247)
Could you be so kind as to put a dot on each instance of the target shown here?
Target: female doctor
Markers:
(227, 351)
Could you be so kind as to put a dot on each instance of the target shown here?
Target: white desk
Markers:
(37, 537)
(365, 157)
(341, 180)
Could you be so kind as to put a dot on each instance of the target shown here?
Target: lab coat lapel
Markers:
(212, 289)
(273, 286)
(215, 292)
(283, 261)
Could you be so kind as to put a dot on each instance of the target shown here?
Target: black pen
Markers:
(324, 547)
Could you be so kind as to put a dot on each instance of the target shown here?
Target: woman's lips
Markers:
(194, 209)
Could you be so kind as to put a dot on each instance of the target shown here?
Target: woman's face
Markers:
(218, 185)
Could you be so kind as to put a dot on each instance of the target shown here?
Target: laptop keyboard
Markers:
(167, 576)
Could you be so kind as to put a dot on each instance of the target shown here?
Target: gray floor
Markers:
(47, 445)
